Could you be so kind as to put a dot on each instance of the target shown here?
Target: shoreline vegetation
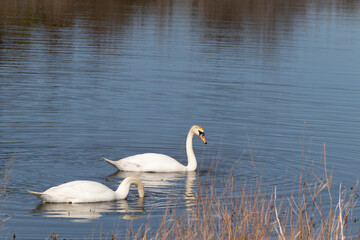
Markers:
(316, 209)
(6, 174)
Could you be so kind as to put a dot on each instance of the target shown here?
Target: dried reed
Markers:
(249, 213)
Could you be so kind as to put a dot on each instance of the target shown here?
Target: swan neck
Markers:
(192, 164)
(123, 190)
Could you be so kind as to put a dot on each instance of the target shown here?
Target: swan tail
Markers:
(37, 194)
(110, 161)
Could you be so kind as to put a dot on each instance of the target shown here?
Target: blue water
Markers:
(79, 80)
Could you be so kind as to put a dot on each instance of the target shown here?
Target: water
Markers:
(270, 82)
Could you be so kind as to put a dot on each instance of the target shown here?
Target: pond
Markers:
(271, 83)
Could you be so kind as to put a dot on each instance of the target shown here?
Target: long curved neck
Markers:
(123, 190)
(192, 164)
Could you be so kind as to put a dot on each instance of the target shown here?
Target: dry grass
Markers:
(3, 184)
(311, 212)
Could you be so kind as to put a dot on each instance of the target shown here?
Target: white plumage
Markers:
(155, 162)
(81, 191)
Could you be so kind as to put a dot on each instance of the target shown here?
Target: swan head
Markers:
(200, 132)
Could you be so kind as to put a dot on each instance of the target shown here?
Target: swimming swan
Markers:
(155, 162)
(88, 191)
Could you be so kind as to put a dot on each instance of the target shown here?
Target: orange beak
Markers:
(203, 138)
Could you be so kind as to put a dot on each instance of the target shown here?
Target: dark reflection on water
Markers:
(270, 82)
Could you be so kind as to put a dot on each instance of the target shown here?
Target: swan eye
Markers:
(201, 133)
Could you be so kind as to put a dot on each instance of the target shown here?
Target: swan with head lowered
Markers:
(82, 191)
(155, 162)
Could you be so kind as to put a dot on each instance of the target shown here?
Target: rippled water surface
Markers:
(270, 82)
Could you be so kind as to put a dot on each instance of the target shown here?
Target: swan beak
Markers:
(203, 138)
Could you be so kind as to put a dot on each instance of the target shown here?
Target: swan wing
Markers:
(76, 192)
(150, 162)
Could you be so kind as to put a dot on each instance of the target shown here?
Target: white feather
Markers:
(156, 162)
(88, 191)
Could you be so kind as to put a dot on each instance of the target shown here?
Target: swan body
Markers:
(82, 191)
(148, 162)
(155, 162)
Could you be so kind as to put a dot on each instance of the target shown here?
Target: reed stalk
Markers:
(250, 213)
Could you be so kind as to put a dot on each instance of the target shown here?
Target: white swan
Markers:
(155, 162)
(88, 191)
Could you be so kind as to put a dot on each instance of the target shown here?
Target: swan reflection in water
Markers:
(159, 181)
(83, 212)
(163, 184)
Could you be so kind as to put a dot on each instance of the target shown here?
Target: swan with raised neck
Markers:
(155, 162)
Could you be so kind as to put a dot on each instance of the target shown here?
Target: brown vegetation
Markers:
(311, 212)
(5, 177)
